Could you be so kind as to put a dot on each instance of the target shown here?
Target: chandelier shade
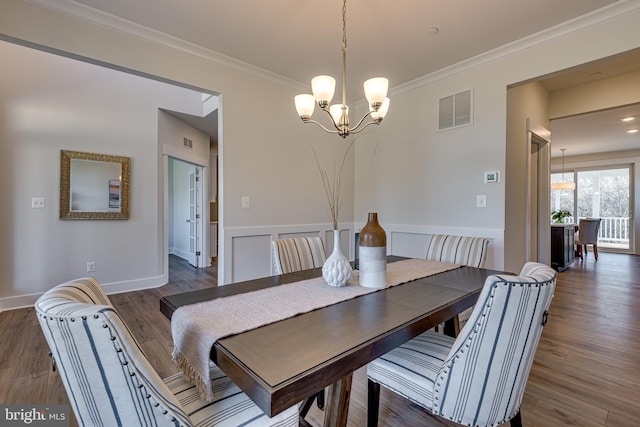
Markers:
(305, 104)
(323, 89)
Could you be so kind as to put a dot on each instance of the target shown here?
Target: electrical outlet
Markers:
(91, 266)
(37, 203)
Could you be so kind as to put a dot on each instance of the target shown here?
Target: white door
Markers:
(195, 217)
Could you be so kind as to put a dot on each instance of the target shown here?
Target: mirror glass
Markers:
(93, 186)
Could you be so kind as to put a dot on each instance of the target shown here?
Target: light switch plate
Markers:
(481, 201)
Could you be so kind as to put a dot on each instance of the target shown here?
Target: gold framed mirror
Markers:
(94, 186)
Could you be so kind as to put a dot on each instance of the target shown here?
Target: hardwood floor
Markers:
(586, 371)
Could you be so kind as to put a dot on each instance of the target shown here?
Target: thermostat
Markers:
(492, 177)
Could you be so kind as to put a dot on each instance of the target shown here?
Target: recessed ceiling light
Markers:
(632, 131)
(627, 119)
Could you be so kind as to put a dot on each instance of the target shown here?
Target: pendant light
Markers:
(563, 185)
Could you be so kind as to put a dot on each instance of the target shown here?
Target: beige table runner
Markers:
(196, 327)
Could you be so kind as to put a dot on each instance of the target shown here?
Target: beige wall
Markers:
(600, 95)
(527, 106)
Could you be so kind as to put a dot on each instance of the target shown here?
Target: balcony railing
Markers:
(614, 230)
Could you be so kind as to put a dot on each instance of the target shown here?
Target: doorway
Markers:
(538, 163)
(185, 217)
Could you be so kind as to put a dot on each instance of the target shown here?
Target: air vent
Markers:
(188, 143)
(455, 110)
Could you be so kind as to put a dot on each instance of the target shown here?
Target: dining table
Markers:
(289, 361)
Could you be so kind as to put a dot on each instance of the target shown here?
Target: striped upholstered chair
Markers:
(471, 251)
(297, 253)
(109, 380)
(463, 250)
(478, 378)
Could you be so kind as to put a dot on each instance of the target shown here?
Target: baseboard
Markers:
(24, 301)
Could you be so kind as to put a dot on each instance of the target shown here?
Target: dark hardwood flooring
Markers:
(586, 371)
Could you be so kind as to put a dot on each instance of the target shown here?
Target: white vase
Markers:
(336, 270)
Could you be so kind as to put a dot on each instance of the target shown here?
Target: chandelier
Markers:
(563, 185)
(323, 88)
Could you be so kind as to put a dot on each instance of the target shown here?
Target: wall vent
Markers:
(455, 110)
(188, 143)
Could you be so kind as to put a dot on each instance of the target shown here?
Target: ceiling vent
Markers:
(188, 143)
(455, 110)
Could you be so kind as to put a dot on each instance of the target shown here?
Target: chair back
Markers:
(297, 253)
(483, 378)
(107, 377)
(471, 251)
(588, 229)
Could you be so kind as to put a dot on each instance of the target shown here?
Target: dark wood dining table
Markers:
(283, 363)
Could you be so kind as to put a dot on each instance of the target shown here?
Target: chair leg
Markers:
(579, 251)
(306, 405)
(516, 421)
(373, 403)
(320, 398)
(595, 251)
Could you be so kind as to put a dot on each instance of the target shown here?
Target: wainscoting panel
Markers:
(248, 249)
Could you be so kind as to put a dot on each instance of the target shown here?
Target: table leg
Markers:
(452, 326)
(337, 403)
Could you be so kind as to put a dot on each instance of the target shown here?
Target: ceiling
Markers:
(299, 39)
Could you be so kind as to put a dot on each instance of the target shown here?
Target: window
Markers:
(600, 193)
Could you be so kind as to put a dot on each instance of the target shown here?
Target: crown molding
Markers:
(601, 15)
(105, 20)
(112, 22)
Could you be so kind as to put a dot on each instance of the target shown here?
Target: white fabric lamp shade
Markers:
(323, 88)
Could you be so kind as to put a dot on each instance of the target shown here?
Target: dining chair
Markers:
(587, 234)
(297, 253)
(478, 378)
(109, 380)
(463, 250)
